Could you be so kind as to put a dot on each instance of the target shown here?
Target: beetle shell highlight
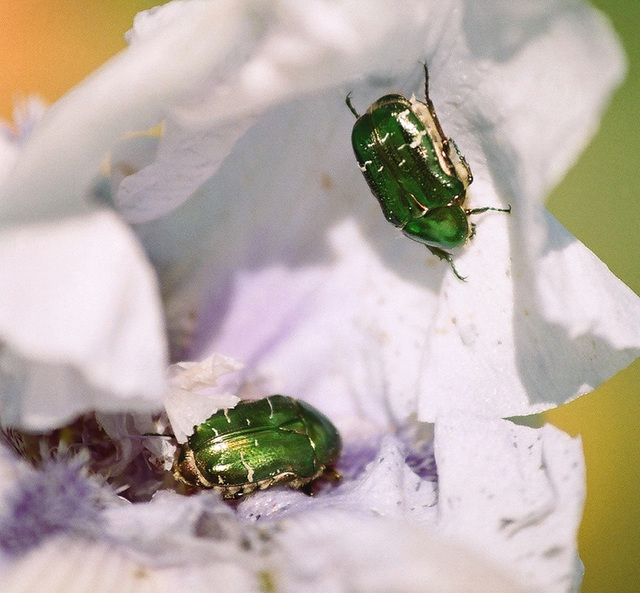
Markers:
(258, 444)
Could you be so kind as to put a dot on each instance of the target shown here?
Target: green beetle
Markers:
(417, 174)
(257, 444)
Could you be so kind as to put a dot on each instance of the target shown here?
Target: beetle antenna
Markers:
(426, 80)
(157, 434)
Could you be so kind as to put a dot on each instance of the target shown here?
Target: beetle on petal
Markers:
(258, 444)
(417, 174)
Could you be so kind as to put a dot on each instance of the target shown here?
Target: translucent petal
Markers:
(80, 321)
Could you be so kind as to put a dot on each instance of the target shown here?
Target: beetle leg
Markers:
(332, 474)
(350, 106)
(472, 232)
(460, 160)
(487, 208)
(157, 434)
(442, 254)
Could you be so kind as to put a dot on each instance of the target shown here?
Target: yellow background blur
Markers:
(47, 46)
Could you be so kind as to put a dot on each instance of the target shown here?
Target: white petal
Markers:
(80, 320)
(192, 395)
(78, 565)
(578, 292)
(572, 319)
(500, 349)
(540, 320)
(342, 552)
(133, 91)
(515, 493)
(550, 73)
(388, 487)
(268, 52)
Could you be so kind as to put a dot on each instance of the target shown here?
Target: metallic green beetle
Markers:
(417, 174)
(257, 444)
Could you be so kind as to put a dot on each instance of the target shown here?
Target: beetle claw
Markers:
(350, 105)
(446, 256)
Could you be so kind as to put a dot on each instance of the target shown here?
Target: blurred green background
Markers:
(599, 202)
(47, 47)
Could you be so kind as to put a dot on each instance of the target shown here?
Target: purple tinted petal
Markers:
(58, 499)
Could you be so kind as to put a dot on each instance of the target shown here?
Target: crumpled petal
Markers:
(514, 493)
(317, 550)
(193, 393)
(505, 508)
(507, 496)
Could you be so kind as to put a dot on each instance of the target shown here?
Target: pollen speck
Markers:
(326, 182)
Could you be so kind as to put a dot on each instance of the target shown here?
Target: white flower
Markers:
(269, 248)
